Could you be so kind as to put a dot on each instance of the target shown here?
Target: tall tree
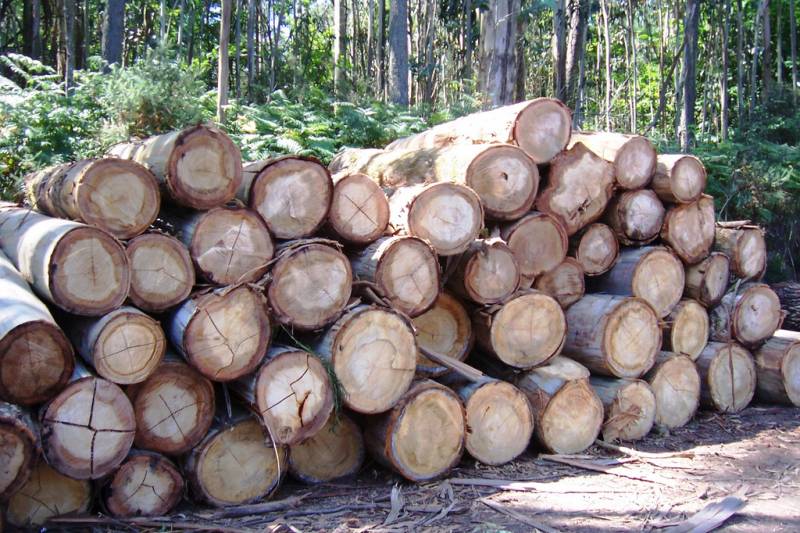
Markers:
(723, 82)
(382, 47)
(223, 67)
(560, 50)
(113, 29)
(779, 44)
(793, 49)
(31, 28)
(251, 47)
(398, 52)
(740, 98)
(766, 68)
(498, 65)
(689, 73)
(762, 11)
(576, 49)
(69, 43)
(607, 48)
(634, 71)
(339, 31)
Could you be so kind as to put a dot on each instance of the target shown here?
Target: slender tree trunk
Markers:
(762, 10)
(69, 44)
(609, 81)
(113, 29)
(398, 52)
(35, 29)
(793, 51)
(766, 63)
(577, 117)
(634, 63)
(251, 47)
(519, 89)
(498, 38)
(273, 55)
(689, 74)
(86, 33)
(238, 58)
(560, 50)
(222, 68)
(740, 97)
(370, 71)
(354, 41)
(382, 48)
(339, 30)
(468, 11)
(181, 21)
(162, 21)
(723, 90)
(576, 48)
(779, 44)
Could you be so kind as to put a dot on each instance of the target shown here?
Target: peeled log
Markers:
(291, 392)
(538, 241)
(422, 437)
(291, 193)
(198, 167)
(47, 494)
(359, 212)
(336, 451)
(652, 273)
(567, 412)
(36, 358)
(686, 329)
(746, 248)
(636, 217)
(778, 368)
(633, 156)
(676, 385)
(19, 448)
(524, 332)
(504, 177)
(223, 334)
(116, 195)
(373, 353)
(565, 282)
(487, 273)
(235, 464)
(404, 268)
(728, 376)
(310, 285)
(447, 215)
(707, 281)
(630, 407)
(679, 178)
(162, 273)
(579, 187)
(444, 329)
(596, 248)
(689, 229)
(147, 484)
(749, 314)
(81, 269)
(613, 336)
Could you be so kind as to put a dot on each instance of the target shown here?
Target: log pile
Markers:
(415, 303)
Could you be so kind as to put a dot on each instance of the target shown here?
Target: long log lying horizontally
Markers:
(789, 294)
(686, 329)
(629, 405)
(565, 282)
(596, 248)
(487, 273)
(538, 241)
(635, 216)
(728, 376)
(359, 212)
(707, 281)
(778, 368)
(146, 484)
(335, 451)
(19, 448)
(679, 178)
(745, 246)
(633, 156)
(676, 385)
(47, 494)
(748, 313)
(689, 229)
(162, 273)
(444, 329)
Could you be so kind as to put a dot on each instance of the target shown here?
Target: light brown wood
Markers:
(596, 248)
(47, 494)
(579, 187)
(422, 437)
(487, 273)
(728, 377)
(707, 281)
(613, 336)
(565, 282)
(630, 407)
(749, 313)
(746, 248)
(679, 178)
(291, 193)
(334, 452)
(538, 241)
(444, 329)
(633, 156)
(686, 329)
(676, 385)
(778, 368)
(198, 167)
(19, 448)
(635, 216)
(359, 212)
(689, 229)
(162, 273)
(81, 269)
(146, 484)
(116, 195)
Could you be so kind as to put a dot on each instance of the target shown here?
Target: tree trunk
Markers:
(778, 369)
(633, 156)
(359, 212)
(113, 31)
(334, 452)
(70, 46)
(749, 314)
(679, 178)
(635, 216)
(497, 62)
(607, 49)
(686, 329)
(487, 273)
(728, 376)
(707, 281)
(251, 48)
(339, 46)
(763, 11)
(766, 64)
(689, 229)
(127, 495)
(629, 405)
(689, 74)
(746, 248)
(19, 446)
(565, 282)
(740, 62)
(596, 248)
(676, 385)
(47, 494)
(723, 90)
(559, 46)
(789, 294)
(445, 329)
(398, 52)
(538, 241)
(793, 46)
(238, 49)
(576, 50)
(162, 273)
(382, 48)
(222, 65)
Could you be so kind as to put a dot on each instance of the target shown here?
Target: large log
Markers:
(310, 285)
(579, 187)
(652, 273)
(198, 167)
(596, 248)
(47, 494)
(359, 212)
(541, 127)
(676, 385)
(235, 464)
(707, 281)
(291, 392)
(444, 329)
(778, 368)
(565, 282)
(629, 405)
(291, 193)
(748, 313)
(35, 356)
(524, 332)
(336, 451)
(728, 376)
(162, 273)
(223, 334)
(686, 329)
(538, 241)
(487, 273)
(422, 436)
(404, 268)
(504, 177)
(19, 448)
(635, 216)
(373, 353)
(746, 248)
(448, 215)
(789, 295)
(633, 156)
(689, 229)
(116, 195)
(81, 269)
(567, 412)
(613, 336)
(679, 178)
(146, 484)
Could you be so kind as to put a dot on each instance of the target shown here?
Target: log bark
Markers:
(19, 448)
(579, 187)
(565, 282)
(676, 385)
(746, 248)
(630, 407)
(538, 241)
(292, 194)
(596, 248)
(614, 336)
(541, 127)
(487, 273)
(373, 353)
(359, 212)
(707, 281)
(336, 451)
(36, 358)
(444, 329)
(223, 334)
(310, 284)
(146, 484)
(778, 368)
(679, 178)
(652, 273)
(504, 177)
(198, 167)
(633, 156)
(162, 273)
(789, 295)
(422, 437)
(749, 313)
(404, 268)
(524, 332)
(689, 229)
(635, 216)
(291, 393)
(728, 376)
(567, 412)
(116, 195)
(47, 494)
(81, 269)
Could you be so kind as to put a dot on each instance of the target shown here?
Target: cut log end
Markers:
(505, 179)
(687, 330)
(336, 451)
(162, 274)
(778, 368)
(444, 329)
(689, 229)
(565, 282)
(47, 494)
(635, 163)
(447, 215)
(631, 339)
(630, 410)
(597, 249)
(729, 376)
(750, 313)
(679, 178)
(359, 211)
(636, 216)
(572, 418)
(543, 129)
(19, 448)
(659, 279)
(487, 274)
(147, 484)
(746, 248)
(707, 281)
(539, 243)
(676, 385)
(408, 274)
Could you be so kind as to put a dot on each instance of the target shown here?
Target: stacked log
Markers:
(565, 282)
(744, 245)
(596, 248)
(630, 407)
(335, 451)
(749, 313)
(707, 281)
(538, 241)
(146, 484)
(636, 217)
(162, 273)
(676, 386)
(728, 375)
(686, 329)
(444, 329)
(679, 178)
(778, 368)
(487, 272)
(689, 229)
(789, 295)
(633, 156)
(359, 212)
(19, 442)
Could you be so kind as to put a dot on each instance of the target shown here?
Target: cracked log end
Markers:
(728, 377)
(686, 329)
(707, 281)
(359, 211)
(336, 451)
(676, 385)
(47, 494)
(487, 273)
(565, 282)
(162, 274)
(596, 248)
(679, 178)
(146, 484)
(689, 229)
(778, 368)
(18, 448)
(630, 407)
(445, 329)
(538, 241)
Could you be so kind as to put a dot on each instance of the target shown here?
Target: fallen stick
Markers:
(522, 518)
(599, 468)
(258, 508)
(639, 454)
(524, 486)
